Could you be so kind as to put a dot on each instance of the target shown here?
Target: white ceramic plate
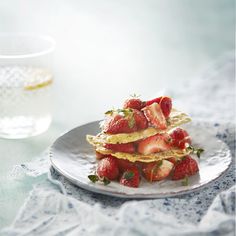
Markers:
(74, 158)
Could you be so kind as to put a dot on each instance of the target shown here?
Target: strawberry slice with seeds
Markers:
(125, 165)
(140, 120)
(156, 171)
(155, 116)
(180, 138)
(119, 124)
(130, 178)
(185, 168)
(164, 102)
(108, 168)
(123, 147)
(156, 143)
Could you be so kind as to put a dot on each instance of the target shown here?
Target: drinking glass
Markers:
(25, 84)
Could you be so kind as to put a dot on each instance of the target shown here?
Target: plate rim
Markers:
(124, 195)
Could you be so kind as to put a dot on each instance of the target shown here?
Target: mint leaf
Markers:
(110, 112)
(106, 181)
(93, 178)
(128, 175)
(135, 95)
(185, 181)
(199, 152)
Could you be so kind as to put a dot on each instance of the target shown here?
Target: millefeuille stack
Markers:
(175, 119)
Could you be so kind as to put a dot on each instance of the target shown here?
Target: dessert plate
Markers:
(74, 158)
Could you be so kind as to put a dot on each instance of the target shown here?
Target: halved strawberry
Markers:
(150, 102)
(165, 104)
(125, 165)
(155, 116)
(108, 168)
(187, 167)
(119, 124)
(156, 171)
(130, 177)
(123, 147)
(173, 160)
(140, 120)
(156, 143)
(134, 103)
(180, 138)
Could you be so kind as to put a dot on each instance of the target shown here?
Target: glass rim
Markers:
(47, 38)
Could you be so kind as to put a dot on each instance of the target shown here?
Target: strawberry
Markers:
(124, 164)
(119, 124)
(134, 103)
(165, 104)
(130, 177)
(123, 147)
(156, 100)
(185, 168)
(108, 168)
(180, 138)
(140, 120)
(155, 116)
(156, 171)
(173, 160)
(156, 143)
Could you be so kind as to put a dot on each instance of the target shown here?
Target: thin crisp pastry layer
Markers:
(93, 140)
(176, 118)
(178, 153)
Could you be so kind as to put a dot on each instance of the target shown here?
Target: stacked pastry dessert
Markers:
(143, 139)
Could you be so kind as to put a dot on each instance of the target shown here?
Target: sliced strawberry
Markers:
(187, 167)
(125, 165)
(173, 160)
(156, 171)
(123, 147)
(134, 103)
(155, 116)
(108, 167)
(156, 143)
(118, 124)
(140, 120)
(180, 138)
(130, 178)
(156, 100)
(165, 104)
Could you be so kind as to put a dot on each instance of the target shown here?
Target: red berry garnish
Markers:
(134, 103)
(108, 168)
(187, 167)
(130, 178)
(180, 138)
